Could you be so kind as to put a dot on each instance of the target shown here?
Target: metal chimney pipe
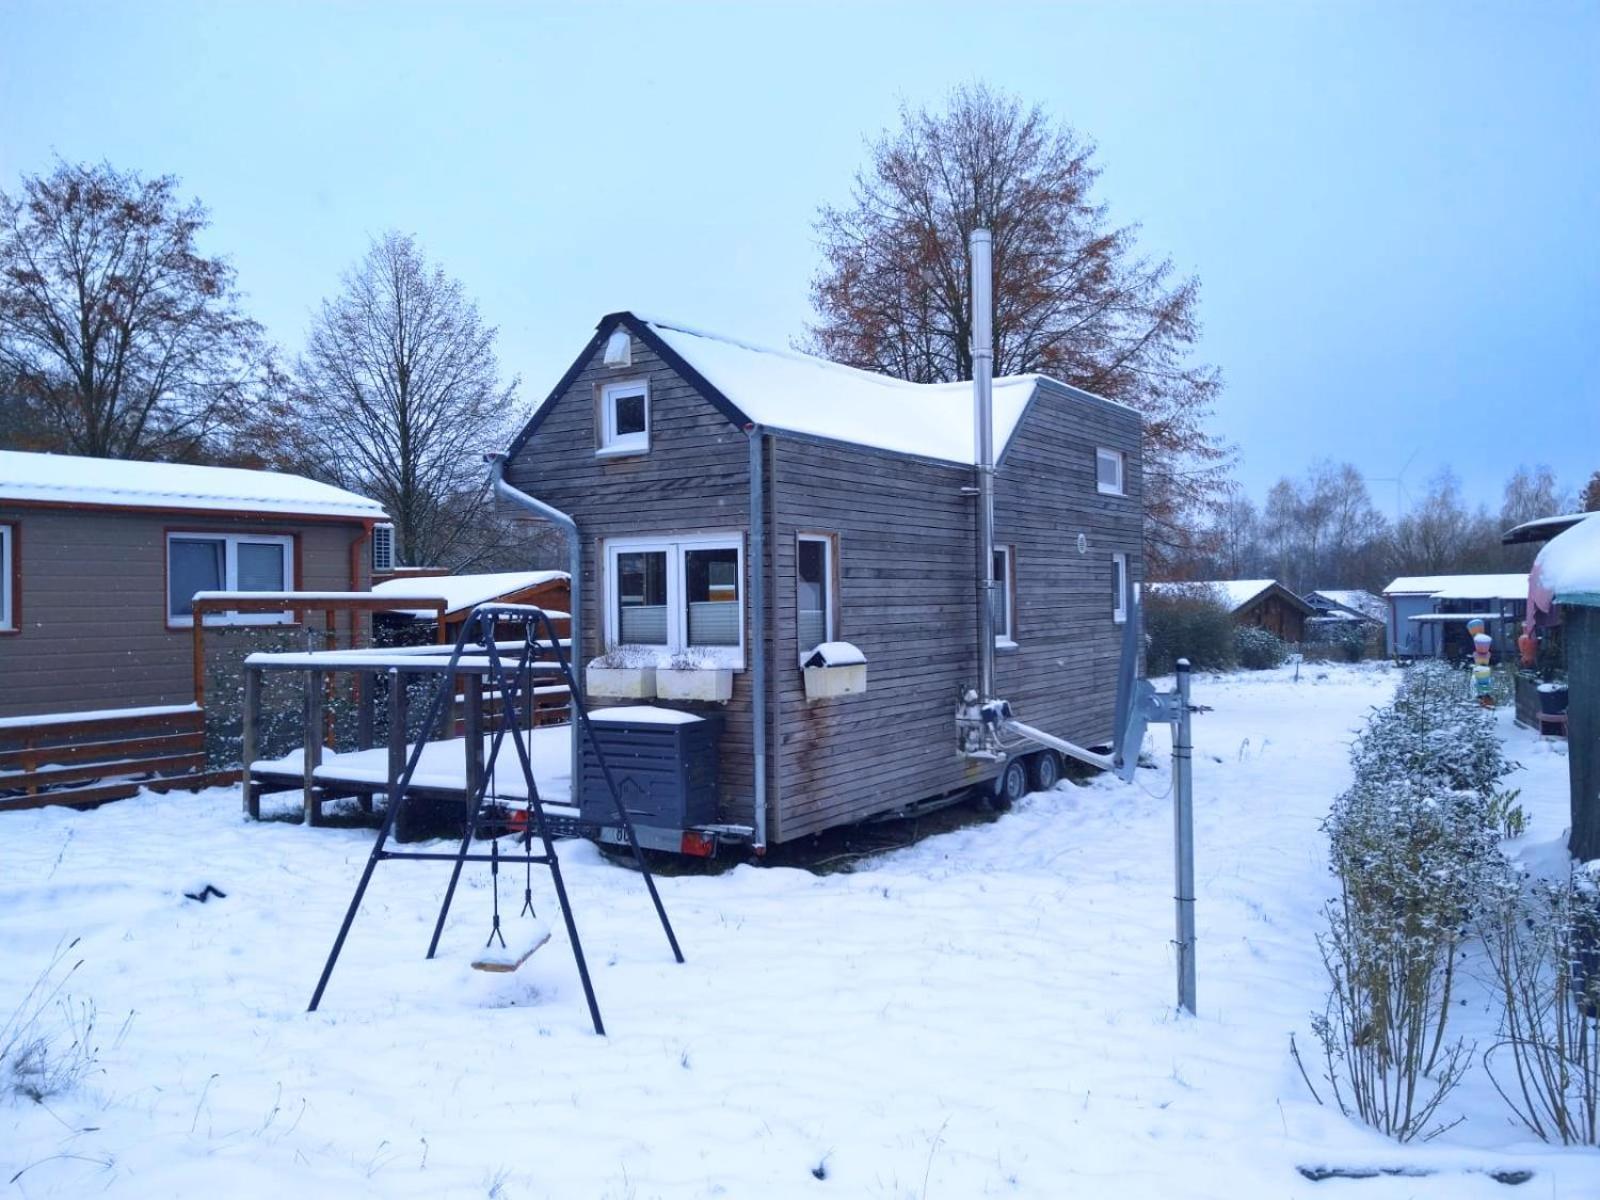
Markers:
(983, 445)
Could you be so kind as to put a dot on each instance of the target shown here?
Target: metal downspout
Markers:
(983, 445)
(758, 628)
(569, 527)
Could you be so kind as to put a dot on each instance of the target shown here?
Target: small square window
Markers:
(1108, 472)
(1119, 588)
(625, 418)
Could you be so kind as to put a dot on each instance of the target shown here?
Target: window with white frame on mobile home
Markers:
(813, 576)
(8, 572)
(1108, 466)
(625, 417)
(213, 562)
(678, 595)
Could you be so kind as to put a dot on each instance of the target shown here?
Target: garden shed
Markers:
(1564, 586)
(791, 543)
(1428, 614)
(1257, 603)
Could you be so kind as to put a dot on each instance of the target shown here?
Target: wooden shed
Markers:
(863, 508)
(1260, 603)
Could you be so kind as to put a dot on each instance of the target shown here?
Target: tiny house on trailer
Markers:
(771, 520)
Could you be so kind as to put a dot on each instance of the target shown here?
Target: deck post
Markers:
(473, 731)
(397, 746)
(247, 740)
(313, 746)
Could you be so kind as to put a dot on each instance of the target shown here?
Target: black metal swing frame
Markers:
(478, 632)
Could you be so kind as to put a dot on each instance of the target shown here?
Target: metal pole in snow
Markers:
(1183, 839)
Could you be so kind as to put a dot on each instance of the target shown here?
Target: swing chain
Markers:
(494, 876)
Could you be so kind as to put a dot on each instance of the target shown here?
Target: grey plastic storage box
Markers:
(664, 763)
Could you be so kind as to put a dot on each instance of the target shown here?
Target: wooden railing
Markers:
(89, 758)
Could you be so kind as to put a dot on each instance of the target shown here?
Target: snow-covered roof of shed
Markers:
(1461, 587)
(1356, 600)
(461, 591)
(1235, 593)
(106, 482)
(1569, 565)
(787, 390)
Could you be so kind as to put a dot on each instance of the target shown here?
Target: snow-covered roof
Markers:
(1461, 587)
(1568, 568)
(1356, 600)
(1543, 528)
(69, 479)
(1235, 593)
(461, 591)
(787, 390)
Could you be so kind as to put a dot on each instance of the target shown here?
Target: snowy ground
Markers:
(988, 1013)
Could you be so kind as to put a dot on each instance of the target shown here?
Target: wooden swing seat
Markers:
(503, 959)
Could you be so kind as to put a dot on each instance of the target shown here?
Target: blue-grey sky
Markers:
(1394, 209)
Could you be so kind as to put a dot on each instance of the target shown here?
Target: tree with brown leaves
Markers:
(1074, 297)
(118, 338)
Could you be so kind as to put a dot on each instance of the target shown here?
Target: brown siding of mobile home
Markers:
(93, 585)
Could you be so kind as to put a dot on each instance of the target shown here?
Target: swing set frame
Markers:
(477, 640)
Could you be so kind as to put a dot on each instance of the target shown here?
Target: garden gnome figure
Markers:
(1482, 653)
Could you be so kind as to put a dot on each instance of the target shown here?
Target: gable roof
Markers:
(1461, 587)
(71, 481)
(1355, 600)
(460, 592)
(790, 392)
(1235, 593)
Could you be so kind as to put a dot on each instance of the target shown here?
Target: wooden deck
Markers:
(92, 757)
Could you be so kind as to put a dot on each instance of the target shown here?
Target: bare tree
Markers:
(1589, 500)
(1074, 298)
(120, 338)
(1235, 538)
(401, 389)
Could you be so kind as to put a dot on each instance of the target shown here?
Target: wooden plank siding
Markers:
(695, 478)
(94, 631)
(905, 564)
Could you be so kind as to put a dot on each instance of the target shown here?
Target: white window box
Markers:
(621, 683)
(835, 669)
(713, 685)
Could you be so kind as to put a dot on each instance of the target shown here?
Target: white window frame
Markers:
(8, 571)
(230, 575)
(1006, 638)
(1119, 588)
(611, 442)
(1120, 488)
(675, 546)
(830, 618)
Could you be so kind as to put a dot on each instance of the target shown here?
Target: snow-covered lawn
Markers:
(988, 1013)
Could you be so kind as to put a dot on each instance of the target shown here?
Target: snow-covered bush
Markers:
(1415, 844)
(1191, 622)
(1543, 943)
(1349, 640)
(1259, 649)
(1433, 731)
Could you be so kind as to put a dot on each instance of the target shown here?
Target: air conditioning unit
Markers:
(382, 549)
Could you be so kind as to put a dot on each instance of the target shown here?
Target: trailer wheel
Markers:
(1044, 770)
(1011, 784)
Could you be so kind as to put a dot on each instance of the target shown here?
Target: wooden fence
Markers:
(89, 758)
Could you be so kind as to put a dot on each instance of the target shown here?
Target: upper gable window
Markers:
(625, 417)
(1108, 471)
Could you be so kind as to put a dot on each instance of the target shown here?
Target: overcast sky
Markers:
(1394, 210)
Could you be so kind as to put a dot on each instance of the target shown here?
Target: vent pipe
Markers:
(983, 445)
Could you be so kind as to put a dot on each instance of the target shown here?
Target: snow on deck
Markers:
(443, 765)
(69, 479)
(462, 591)
(988, 1013)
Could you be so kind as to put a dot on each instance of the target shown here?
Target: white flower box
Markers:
(621, 683)
(713, 685)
